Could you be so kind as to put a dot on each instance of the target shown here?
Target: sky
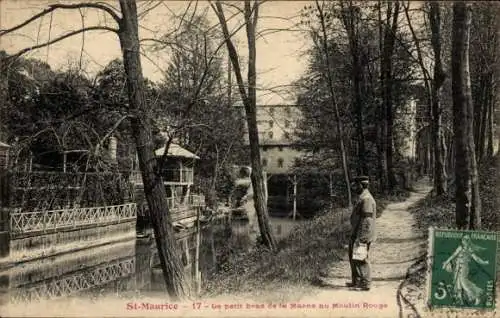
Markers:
(280, 55)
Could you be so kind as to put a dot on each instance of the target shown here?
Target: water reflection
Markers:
(111, 269)
(118, 267)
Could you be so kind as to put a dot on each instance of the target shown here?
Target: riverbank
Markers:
(259, 283)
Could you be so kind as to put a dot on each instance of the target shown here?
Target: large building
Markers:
(276, 125)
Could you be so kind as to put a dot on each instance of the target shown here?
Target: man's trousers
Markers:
(360, 270)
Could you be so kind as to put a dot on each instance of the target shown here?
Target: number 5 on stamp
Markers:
(462, 269)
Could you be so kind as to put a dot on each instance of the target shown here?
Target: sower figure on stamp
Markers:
(362, 235)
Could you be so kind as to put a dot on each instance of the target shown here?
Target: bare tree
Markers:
(249, 98)
(141, 126)
(468, 209)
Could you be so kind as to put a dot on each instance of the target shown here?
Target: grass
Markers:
(307, 251)
(440, 211)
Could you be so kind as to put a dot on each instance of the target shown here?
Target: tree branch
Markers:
(146, 11)
(230, 47)
(54, 7)
(83, 37)
(28, 21)
(100, 6)
(62, 37)
(417, 43)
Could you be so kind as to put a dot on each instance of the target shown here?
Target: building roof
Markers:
(4, 145)
(176, 151)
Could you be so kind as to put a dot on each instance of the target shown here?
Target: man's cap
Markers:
(362, 179)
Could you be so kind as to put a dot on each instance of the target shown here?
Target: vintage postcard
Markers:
(252, 158)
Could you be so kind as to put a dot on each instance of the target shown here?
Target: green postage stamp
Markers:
(462, 269)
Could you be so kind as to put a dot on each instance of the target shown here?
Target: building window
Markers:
(264, 162)
(270, 134)
(271, 123)
(280, 162)
(287, 135)
(288, 111)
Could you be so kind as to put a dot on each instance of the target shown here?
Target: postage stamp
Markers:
(462, 269)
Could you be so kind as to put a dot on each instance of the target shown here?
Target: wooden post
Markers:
(331, 189)
(212, 243)
(185, 200)
(294, 196)
(197, 276)
(266, 193)
(173, 191)
(31, 162)
(64, 161)
(180, 171)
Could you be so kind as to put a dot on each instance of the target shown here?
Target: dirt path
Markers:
(395, 250)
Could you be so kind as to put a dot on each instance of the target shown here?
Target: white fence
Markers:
(26, 222)
(75, 283)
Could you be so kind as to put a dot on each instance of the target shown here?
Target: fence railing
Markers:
(26, 222)
(169, 175)
(180, 210)
(75, 283)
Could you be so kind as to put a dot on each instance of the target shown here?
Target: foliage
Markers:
(195, 107)
(111, 103)
(54, 111)
(35, 191)
(317, 129)
(51, 111)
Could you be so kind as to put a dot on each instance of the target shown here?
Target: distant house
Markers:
(276, 125)
(278, 143)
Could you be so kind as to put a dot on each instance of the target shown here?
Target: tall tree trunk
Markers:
(382, 128)
(440, 178)
(154, 189)
(478, 94)
(387, 83)
(340, 131)
(251, 16)
(428, 82)
(467, 195)
(491, 105)
(483, 119)
(350, 19)
(249, 102)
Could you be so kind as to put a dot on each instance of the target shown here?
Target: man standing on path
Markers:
(363, 232)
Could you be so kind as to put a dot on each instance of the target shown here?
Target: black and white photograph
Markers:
(251, 158)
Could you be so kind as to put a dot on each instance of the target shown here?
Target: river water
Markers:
(125, 267)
